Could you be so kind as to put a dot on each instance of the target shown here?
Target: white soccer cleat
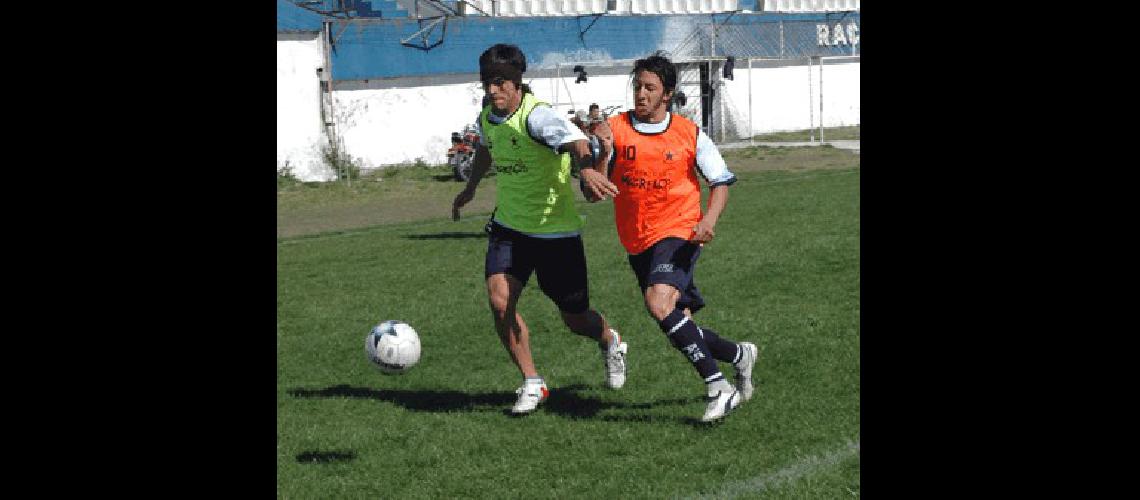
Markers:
(614, 356)
(530, 395)
(744, 369)
(721, 402)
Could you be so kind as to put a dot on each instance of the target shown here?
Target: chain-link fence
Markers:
(732, 99)
(784, 87)
(742, 79)
(741, 76)
(837, 34)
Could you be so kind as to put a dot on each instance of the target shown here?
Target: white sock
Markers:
(615, 339)
(721, 385)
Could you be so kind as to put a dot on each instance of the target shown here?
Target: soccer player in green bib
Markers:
(535, 227)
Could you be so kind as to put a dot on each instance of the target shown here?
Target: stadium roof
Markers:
(291, 18)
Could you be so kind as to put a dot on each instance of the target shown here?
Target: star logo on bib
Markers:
(668, 156)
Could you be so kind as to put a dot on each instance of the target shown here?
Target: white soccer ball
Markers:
(393, 346)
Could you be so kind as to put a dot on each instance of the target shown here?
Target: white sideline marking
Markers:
(805, 467)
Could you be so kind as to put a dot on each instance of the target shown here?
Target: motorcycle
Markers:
(461, 154)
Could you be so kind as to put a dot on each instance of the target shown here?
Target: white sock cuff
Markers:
(678, 325)
(712, 379)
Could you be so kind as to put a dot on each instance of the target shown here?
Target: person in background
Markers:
(595, 114)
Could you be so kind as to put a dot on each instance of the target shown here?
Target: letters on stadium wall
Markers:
(839, 34)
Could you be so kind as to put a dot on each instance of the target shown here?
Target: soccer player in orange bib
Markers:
(656, 156)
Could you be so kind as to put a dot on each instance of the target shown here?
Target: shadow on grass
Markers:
(567, 401)
(434, 401)
(444, 177)
(325, 457)
(445, 236)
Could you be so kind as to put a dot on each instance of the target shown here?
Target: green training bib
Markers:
(534, 193)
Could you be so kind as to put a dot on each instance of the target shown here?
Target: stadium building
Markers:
(384, 83)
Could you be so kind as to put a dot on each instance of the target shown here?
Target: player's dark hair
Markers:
(594, 106)
(499, 60)
(659, 65)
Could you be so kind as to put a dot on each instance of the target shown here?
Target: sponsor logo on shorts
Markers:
(663, 268)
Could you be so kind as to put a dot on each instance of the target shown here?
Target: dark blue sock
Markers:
(685, 337)
(721, 349)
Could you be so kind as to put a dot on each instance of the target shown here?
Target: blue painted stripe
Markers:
(373, 50)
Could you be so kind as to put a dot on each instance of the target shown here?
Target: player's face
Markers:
(505, 96)
(649, 97)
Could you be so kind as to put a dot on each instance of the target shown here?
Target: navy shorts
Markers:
(559, 264)
(670, 261)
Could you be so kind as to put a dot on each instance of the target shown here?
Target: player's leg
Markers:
(722, 349)
(592, 324)
(503, 291)
(507, 268)
(667, 267)
(683, 333)
(589, 323)
(562, 275)
(742, 355)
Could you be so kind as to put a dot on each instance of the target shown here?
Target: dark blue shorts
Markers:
(670, 261)
(559, 264)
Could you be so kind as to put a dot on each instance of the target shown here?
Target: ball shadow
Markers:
(325, 457)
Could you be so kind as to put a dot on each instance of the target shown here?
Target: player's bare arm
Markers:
(592, 170)
(705, 230)
(479, 166)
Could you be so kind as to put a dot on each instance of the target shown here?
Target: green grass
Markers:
(783, 273)
(829, 134)
(396, 194)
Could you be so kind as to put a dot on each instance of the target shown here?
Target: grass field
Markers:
(829, 134)
(416, 193)
(783, 273)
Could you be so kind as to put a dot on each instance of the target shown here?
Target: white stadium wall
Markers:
(840, 94)
(404, 120)
(782, 99)
(604, 90)
(299, 128)
(402, 125)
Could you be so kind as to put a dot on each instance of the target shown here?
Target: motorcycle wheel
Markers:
(461, 166)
